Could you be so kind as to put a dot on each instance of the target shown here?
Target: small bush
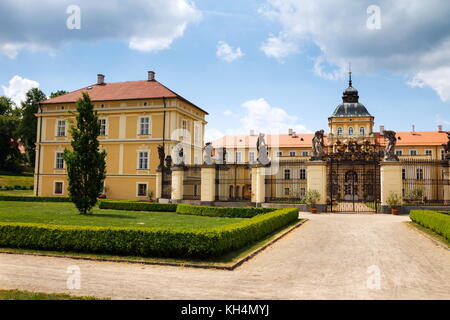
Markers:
(138, 206)
(241, 212)
(162, 242)
(434, 220)
(34, 199)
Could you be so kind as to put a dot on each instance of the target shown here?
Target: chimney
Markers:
(252, 132)
(440, 128)
(151, 76)
(413, 129)
(291, 131)
(100, 79)
(381, 130)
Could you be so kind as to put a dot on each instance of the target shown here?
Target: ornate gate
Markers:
(354, 180)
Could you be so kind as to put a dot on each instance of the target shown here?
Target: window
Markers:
(428, 152)
(195, 189)
(286, 191)
(144, 126)
(287, 174)
(59, 160)
(419, 174)
(143, 160)
(413, 152)
(196, 135)
(305, 153)
(339, 132)
(61, 128)
(399, 152)
(102, 123)
(362, 131)
(279, 153)
(292, 154)
(184, 127)
(302, 192)
(142, 190)
(442, 155)
(404, 174)
(302, 174)
(58, 187)
(238, 157)
(350, 131)
(251, 156)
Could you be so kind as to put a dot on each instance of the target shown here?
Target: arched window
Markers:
(350, 131)
(339, 131)
(362, 131)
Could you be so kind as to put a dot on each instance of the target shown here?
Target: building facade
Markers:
(135, 117)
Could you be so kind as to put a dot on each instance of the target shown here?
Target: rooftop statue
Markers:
(207, 154)
(447, 148)
(262, 148)
(178, 155)
(318, 145)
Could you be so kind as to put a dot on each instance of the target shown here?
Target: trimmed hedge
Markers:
(241, 212)
(138, 206)
(161, 242)
(434, 220)
(34, 199)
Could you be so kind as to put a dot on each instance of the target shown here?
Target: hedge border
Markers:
(157, 242)
(231, 212)
(137, 206)
(436, 221)
(34, 199)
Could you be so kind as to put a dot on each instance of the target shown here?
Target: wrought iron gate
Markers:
(353, 185)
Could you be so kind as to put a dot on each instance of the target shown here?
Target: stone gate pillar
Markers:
(390, 180)
(258, 185)
(447, 185)
(208, 185)
(316, 175)
(177, 184)
(158, 188)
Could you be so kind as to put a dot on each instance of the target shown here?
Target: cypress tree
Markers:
(86, 166)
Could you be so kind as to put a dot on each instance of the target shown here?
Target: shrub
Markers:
(163, 242)
(34, 199)
(241, 212)
(394, 200)
(312, 197)
(434, 220)
(138, 206)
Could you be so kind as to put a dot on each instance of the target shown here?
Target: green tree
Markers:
(86, 166)
(7, 107)
(10, 157)
(28, 126)
(57, 93)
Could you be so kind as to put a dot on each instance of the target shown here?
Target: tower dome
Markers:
(350, 106)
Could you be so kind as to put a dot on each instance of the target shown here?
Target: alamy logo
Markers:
(374, 19)
(374, 279)
(74, 279)
(73, 22)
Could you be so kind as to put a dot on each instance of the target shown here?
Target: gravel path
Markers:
(327, 258)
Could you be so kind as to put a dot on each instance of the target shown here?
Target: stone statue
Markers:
(178, 155)
(389, 153)
(161, 155)
(168, 162)
(262, 148)
(318, 145)
(221, 155)
(447, 148)
(207, 154)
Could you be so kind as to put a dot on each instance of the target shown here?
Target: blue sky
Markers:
(264, 65)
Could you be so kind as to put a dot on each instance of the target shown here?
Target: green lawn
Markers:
(66, 214)
(27, 295)
(25, 179)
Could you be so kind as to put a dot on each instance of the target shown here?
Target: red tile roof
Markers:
(129, 90)
(423, 138)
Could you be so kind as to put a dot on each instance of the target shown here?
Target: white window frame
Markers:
(279, 153)
(139, 159)
(340, 132)
(106, 127)
(56, 160)
(251, 156)
(419, 174)
(362, 131)
(137, 188)
(238, 156)
(302, 174)
(184, 127)
(287, 171)
(411, 152)
(292, 154)
(305, 153)
(399, 152)
(430, 151)
(352, 131)
(141, 124)
(57, 134)
(54, 188)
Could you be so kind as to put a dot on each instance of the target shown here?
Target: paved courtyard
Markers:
(329, 257)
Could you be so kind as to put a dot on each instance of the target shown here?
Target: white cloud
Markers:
(437, 79)
(227, 53)
(212, 134)
(18, 87)
(145, 25)
(413, 41)
(279, 47)
(228, 113)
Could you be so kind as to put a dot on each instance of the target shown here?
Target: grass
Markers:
(429, 232)
(16, 192)
(226, 260)
(28, 295)
(11, 180)
(67, 214)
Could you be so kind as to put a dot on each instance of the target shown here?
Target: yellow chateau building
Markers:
(136, 117)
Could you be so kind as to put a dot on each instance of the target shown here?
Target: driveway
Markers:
(338, 256)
